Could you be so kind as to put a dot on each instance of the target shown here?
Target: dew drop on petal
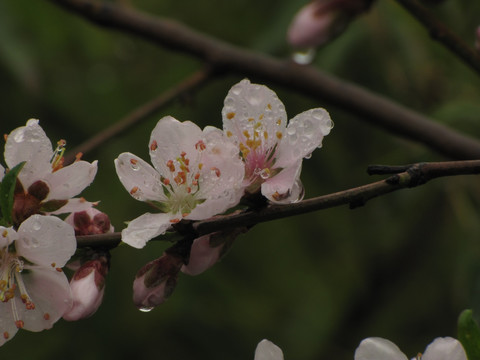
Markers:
(145, 309)
(36, 225)
(134, 167)
(19, 137)
(304, 57)
(308, 156)
(265, 174)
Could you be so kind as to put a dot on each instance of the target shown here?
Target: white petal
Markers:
(378, 349)
(8, 329)
(46, 240)
(304, 134)
(29, 143)
(2, 172)
(248, 105)
(285, 187)
(50, 292)
(446, 348)
(221, 189)
(266, 350)
(144, 228)
(70, 180)
(7, 236)
(140, 179)
(170, 138)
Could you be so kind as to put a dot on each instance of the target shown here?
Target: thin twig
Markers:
(415, 175)
(141, 113)
(223, 56)
(438, 31)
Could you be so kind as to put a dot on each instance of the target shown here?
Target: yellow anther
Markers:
(230, 115)
(279, 135)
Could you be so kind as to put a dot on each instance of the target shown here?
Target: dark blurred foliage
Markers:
(401, 267)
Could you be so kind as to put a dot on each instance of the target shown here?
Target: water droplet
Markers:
(265, 174)
(304, 57)
(36, 225)
(19, 137)
(145, 309)
(291, 130)
(135, 167)
(308, 156)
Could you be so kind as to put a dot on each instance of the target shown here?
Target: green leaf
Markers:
(469, 334)
(7, 189)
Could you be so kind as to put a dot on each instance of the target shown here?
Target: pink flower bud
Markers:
(90, 222)
(155, 282)
(209, 249)
(322, 20)
(88, 286)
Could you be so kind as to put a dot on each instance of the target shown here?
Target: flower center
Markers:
(11, 280)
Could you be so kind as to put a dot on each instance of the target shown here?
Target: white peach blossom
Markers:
(255, 120)
(195, 175)
(375, 348)
(34, 291)
(47, 186)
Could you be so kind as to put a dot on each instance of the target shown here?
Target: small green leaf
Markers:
(469, 334)
(7, 189)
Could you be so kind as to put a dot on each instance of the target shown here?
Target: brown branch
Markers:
(189, 84)
(223, 56)
(438, 31)
(414, 175)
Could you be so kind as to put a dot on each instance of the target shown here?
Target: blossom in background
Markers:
(445, 348)
(34, 291)
(266, 350)
(45, 186)
(256, 121)
(196, 174)
(320, 21)
(88, 281)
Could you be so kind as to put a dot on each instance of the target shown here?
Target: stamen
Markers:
(19, 324)
(230, 115)
(153, 145)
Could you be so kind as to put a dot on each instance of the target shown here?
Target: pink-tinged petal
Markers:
(70, 180)
(144, 228)
(446, 348)
(378, 349)
(74, 205)
(202, 256)
(250, 106)
(87, 298)
(7, 236)
(170, 138)
(266, 350)
(139, 178)
(46, 240)
(50, 292)
(2, 172)
(304, 134)
(8, 329)
(29, 143)
(284, 187)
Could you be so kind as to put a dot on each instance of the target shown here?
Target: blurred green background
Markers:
(401, 267)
